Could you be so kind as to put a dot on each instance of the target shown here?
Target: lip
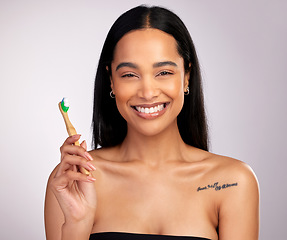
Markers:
(150, 116)
(150, 105)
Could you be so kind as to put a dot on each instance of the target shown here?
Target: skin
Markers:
(153, 182)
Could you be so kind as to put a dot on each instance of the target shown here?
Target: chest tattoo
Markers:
(217, 187)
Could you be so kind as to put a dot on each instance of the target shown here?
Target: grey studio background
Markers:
(50, 49)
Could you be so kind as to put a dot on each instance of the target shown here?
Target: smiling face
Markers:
(148, 80)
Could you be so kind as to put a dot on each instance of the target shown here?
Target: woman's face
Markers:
(148, 80)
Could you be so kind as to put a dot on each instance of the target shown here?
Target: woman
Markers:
(154, 177)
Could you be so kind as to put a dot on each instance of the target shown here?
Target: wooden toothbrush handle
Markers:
(72, 131)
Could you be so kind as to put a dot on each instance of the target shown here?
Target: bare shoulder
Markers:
(222, 173)
(234, 181)
(235, 170)
(232, 185)
(237, 197)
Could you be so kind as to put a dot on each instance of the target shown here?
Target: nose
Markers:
(148, 89)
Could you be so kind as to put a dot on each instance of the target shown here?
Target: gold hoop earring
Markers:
(112, 95)
(187, 91)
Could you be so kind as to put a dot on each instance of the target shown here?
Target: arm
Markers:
(239, 208)
(54, 217)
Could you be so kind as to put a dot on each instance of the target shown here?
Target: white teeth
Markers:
(150, 110)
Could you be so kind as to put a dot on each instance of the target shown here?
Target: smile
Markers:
(154, 109)
(151, 112)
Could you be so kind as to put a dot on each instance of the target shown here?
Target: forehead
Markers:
(146, 45)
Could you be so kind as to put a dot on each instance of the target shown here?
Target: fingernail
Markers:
(76, 136)
(91, 166)
(88, 156)
(91, 179)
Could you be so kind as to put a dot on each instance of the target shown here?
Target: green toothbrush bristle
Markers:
(65, 105)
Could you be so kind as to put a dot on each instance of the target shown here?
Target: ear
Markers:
(111, 79)
(186, 77)
(186, 81)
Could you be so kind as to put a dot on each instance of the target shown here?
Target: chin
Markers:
(152, 129)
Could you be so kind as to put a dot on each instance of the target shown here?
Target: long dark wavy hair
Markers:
(109, 127)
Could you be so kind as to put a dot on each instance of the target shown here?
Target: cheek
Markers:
(123, 94)
(123, 91)
(175, 89)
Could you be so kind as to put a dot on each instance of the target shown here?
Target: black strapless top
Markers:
(138, 236)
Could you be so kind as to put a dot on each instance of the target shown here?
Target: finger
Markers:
(75, 150)
(61, 182)
(72, 139)
(74, 160)
(87, 155)
(84, 145)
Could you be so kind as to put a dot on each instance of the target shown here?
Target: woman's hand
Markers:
(74, 191)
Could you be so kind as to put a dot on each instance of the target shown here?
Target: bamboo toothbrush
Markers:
(64, 107)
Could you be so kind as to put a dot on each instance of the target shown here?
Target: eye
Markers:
(164, 73)
(128, 75)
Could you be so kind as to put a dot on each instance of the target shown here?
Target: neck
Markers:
(165, 146)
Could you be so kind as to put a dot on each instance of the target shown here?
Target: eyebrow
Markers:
(126, 64)
(165, 63)
(155, 65)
